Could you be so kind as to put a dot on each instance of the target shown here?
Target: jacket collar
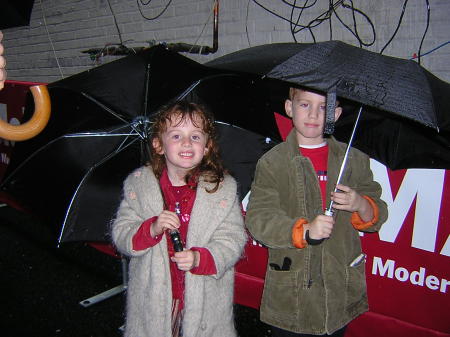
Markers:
(291, 140)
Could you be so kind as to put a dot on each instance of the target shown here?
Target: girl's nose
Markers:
(186, 141)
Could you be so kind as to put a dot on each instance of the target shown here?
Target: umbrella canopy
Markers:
(15, 13)
(405, 121)
(71, 174)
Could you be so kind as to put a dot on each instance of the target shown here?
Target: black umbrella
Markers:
(71, 174)
(15, 13)
(405, 122)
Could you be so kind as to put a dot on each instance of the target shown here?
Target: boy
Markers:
(310, 287)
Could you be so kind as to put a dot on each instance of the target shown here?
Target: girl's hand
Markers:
(167, 220)
(349, 200)
(187, 259)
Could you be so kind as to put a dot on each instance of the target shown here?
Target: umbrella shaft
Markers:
(329, 210)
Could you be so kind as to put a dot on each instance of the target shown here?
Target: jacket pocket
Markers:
(281, 293)
(355, 285)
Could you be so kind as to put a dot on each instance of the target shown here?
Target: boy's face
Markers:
(307, 110)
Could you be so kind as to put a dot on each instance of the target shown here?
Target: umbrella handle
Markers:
(38, 121)
(315, 242)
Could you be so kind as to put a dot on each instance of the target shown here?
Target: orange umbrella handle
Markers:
(37, 122)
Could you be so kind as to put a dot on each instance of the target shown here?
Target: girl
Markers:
(184, 190)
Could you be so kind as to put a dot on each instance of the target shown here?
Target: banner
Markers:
(408, 274)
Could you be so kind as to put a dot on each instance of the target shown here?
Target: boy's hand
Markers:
(320, 228)
(187, 259)
(167, 220)
(349, 200)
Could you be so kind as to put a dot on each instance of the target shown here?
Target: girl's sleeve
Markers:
(207, 265)
(143, 239)
(128, 220)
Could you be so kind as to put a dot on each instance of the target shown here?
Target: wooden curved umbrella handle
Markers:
(37, 122)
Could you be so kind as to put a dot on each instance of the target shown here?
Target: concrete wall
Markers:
(51, 46)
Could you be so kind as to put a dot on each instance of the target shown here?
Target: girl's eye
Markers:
(198, 137)
(176, 137)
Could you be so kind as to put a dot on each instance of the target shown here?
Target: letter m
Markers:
(423, 185)
(378, 266)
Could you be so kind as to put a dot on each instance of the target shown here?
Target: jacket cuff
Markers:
(142, 239)
(359, 223)
(207, 264)
(298, 238)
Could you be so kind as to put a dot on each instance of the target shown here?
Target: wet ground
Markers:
(42, 285)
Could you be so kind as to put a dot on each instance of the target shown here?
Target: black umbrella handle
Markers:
(329, 211)
(174, 234)
(176, 241)
(312, 242)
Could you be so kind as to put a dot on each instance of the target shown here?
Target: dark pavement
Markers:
(42, 285)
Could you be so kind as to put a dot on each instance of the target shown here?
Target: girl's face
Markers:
(183, 145)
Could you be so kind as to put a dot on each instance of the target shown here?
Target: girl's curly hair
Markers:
(211, 166)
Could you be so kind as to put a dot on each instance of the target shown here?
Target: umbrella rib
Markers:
(106, 158)
(98, 134)
(196, 83)
(122, 147)
(35, 153)
(112, 133)
(104, 107)
(268, 139)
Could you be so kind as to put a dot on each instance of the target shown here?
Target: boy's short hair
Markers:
(293, 90)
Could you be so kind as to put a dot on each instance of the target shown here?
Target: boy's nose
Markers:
(313, 112)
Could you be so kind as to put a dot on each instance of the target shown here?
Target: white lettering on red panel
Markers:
(415, 277)
(423, 185)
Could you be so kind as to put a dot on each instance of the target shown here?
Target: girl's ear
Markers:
(157, 146)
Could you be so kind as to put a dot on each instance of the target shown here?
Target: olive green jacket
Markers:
(320, 293)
